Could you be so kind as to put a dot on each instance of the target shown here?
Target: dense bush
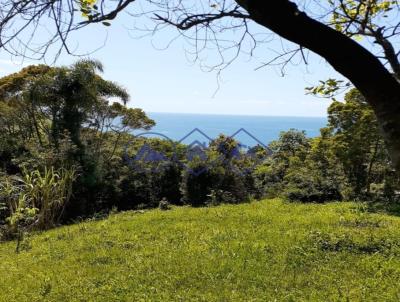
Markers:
(150, 171)
(223, 176)
(197, 183)
(307, 185)
(145, 188)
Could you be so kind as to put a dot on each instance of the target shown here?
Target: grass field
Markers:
(262, 251)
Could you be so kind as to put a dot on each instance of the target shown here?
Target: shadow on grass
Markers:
(390, 208)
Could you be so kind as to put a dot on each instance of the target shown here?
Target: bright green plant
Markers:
(36, 200)
(49, 192)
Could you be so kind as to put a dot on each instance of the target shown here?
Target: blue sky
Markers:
(167, 81)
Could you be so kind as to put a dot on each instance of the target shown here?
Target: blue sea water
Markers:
(248, 130)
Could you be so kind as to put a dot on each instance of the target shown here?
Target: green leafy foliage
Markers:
(222, 176)
(328, 88)
(347, 161)
(358, 145)
(35, 201)
(358, 18)
(54, 119)
(61, 117)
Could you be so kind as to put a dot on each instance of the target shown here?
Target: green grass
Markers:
(262, 251)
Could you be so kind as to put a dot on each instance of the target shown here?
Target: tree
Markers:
(289, 152)
(332, 39)
(46, 102)
(357, 144)
(222, 175)
(347, 161)
(364, 20)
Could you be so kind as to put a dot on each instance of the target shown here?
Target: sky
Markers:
(166, 80)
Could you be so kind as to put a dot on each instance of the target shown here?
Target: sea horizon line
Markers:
(235, 114)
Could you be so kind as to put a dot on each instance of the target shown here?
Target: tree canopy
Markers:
(337, 30)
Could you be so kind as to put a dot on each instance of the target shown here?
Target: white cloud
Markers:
(10, 62)
(8, 66)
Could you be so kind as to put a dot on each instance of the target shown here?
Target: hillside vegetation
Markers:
(260, 251)
(68, 150)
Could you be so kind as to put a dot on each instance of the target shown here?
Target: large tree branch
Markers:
(345, 55)
(349, 58)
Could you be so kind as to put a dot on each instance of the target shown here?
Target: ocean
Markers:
(248, 130)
